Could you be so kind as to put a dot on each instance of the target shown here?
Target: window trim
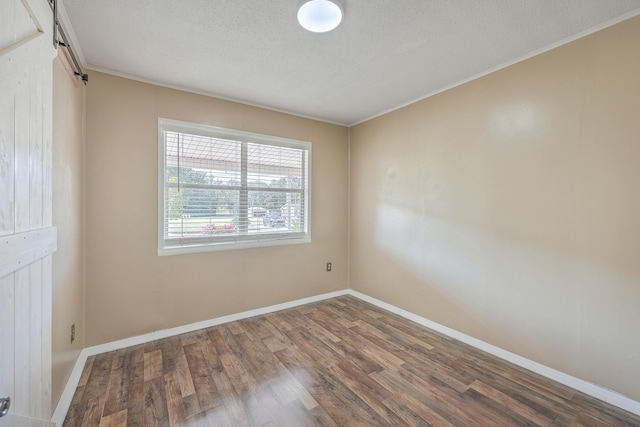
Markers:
(255, 241)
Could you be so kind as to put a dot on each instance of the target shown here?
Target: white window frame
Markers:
(245, 241)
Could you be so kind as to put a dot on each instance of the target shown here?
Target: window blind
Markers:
(222, 187)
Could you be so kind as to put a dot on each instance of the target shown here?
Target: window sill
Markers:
(228, 246)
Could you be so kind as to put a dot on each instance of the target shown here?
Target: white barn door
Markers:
(27, 238)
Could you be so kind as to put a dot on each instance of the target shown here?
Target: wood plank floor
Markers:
(339, 362)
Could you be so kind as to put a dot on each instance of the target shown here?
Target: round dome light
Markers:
(320, 16)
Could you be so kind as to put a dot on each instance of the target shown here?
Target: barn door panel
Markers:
(27, 238)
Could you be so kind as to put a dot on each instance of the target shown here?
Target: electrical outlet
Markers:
(329, 266)
(73, 333)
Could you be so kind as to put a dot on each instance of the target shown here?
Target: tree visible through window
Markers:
(222, 188)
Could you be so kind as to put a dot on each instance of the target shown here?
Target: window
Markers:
(228, 189)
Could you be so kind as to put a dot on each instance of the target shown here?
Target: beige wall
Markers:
(129, 289)
(508, 208)
(68, 300)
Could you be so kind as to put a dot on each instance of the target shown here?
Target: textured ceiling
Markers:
(385, 54)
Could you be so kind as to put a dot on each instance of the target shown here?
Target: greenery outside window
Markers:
(227, 189)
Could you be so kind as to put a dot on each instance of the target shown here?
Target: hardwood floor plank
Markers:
(485, 413)
(442, 367)
(409, 417)
(236, 328)
(232, 403)
(171, 349)
(379, 339)
(99, 376)
(175, 369)
(321, 418)
(428, 370)
(74, 414)
(610, 415)
(313, 347)
(512, 404)
(155, 404)
(539, 401)
(152, 364)
(406, 351)
(277, 335)
(262, 365)
(336, 344)
(205, 387)
(228, 392)
(135, 403)
(256, 327)
(86, 371)
(117, 394)
(483, 406)
(380, 325)
(342, 405)
(92, 412)
(190, 338)
(278, 321)
(293, 317)
(117, 419)
(234, 368)
(322, 317)
(119, 382)
(427, 400)
(428, 336)
(563, 421)
(209, 352)
(337, 362)
(397, 341)
(520, 375)
(352, 407)
(585, 420)
(380, 356)
(274, 344)
(289, 387)
(175, 402)
(191, 405)
(368, 390)
(423, 335)
(151, 346)
(272, 374)
(365, 364)
(93, 395)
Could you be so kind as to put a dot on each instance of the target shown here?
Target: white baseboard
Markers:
(67, 395)
(591, 389)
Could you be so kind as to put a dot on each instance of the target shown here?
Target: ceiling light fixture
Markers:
(320, 16)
